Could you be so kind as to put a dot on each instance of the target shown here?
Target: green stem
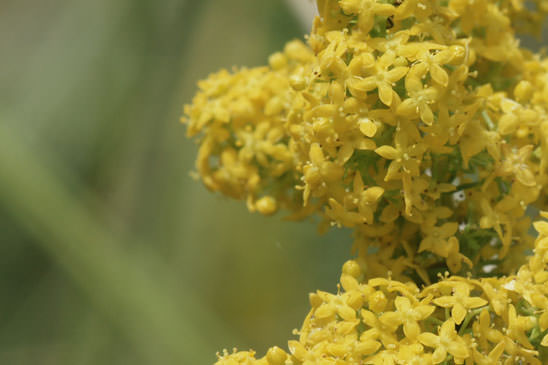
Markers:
(471, 314)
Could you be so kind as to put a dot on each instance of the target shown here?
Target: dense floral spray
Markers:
(422, 126)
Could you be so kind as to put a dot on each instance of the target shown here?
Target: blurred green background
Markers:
(110, 252)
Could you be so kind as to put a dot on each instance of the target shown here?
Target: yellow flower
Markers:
(393, 43)
(383, 78)
(334, 305)
(366, 11)
(473, 140)
(427, 61)
(299, 351)
(498, 298)
(378, 329)
(437, 239)
(341, 216)
(448, 129)
(414, 354)
(516, 162)
(475, 13)
(454, 257)
(517, 326)
(407, 314)
(420, 9)
(407, 154)
(419, 100)
(318, 172)
(352, 143)
(460, 302)
(446, 342)
(389, 356)
(541, 227)
(515, 116)
(266, 205)
(413, 190)
(233, 176)
(492, 358)
(365, 200)
(496, 219)
(330, 59)
(276, 356)
(529, 289)
(484, 333)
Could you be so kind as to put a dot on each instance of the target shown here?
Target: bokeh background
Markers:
(110, 253)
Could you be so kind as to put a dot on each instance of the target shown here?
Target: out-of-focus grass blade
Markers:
(145, 307)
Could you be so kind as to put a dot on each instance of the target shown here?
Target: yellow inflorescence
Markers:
(423, 127)
(420, 124)
(455, 321)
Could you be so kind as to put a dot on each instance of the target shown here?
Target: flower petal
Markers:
(540, 227)
(475, 302)
(391, 319)
(388, 152)
(396, 73)
(385, 93)
(458, 313)
(439, 75)
(439, 355)
(367, 127)
(411, 329)
(373, 194)
(445, 302)
(429, 339)
(408, 108)
(426, 114)
(458, 349)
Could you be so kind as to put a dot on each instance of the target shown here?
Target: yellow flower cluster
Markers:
(455, 321)
(422, 125)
